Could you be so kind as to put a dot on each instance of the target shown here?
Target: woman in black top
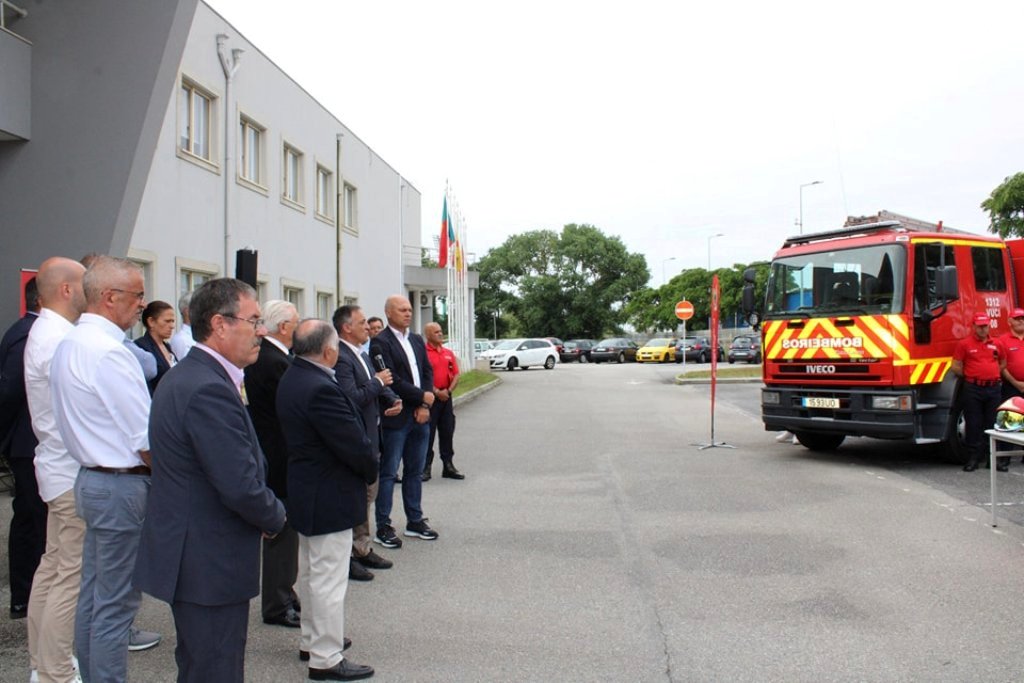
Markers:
(158, 319)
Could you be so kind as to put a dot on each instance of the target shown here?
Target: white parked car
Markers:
(522, 353)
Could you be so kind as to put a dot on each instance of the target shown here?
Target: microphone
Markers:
(378, 362)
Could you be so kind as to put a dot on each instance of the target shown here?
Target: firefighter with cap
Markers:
(1013, 374)
(980, 361)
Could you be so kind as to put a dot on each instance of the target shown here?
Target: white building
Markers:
(122, 133)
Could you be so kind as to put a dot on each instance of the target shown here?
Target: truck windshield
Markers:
(865, 280)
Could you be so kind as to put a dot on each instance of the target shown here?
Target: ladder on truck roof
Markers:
(862, 229)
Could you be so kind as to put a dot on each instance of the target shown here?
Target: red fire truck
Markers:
(859, 324)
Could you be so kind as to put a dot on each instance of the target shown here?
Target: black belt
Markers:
(983, 382)
(138, 469)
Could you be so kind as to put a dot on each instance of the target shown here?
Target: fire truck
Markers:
(858, 327)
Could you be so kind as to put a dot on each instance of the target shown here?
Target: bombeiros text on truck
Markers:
(858, 327)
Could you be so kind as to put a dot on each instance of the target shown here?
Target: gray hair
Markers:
(276, 312)
(312, 337)
(183, 303)
(105, 273)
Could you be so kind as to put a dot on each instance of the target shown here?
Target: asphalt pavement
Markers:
(594, 541)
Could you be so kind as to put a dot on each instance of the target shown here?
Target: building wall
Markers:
(181, 218)
(100, 75)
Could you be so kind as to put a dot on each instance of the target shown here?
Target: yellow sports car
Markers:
(661, 350)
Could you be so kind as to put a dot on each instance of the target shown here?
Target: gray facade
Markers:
(103, 163)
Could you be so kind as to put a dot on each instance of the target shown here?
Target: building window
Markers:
(324, 305)
(351, 300)
(262, 291)
(350, 207)
(195, 121)
(250, 165)
(293, 295)
(191, 280)
(292, 175)
(324, 192)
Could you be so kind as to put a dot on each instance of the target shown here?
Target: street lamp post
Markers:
(711, 237)
(664, 280)
(816, 182)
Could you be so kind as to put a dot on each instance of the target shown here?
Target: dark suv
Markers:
(745, 348)
(697, 349)
(576, 350)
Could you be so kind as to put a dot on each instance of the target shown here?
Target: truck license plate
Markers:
(814, 402)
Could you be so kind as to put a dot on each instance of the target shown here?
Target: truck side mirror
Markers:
(946, 284)
(750, 313)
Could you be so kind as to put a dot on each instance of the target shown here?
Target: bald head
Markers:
(434, 335)
(398, 311)
(60, 286)
(316, 341)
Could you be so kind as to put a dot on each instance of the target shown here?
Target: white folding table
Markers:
(1015, 439)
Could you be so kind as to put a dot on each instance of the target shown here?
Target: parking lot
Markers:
(593, 540)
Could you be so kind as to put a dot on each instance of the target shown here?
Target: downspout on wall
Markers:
(230, 67)
(338, 190)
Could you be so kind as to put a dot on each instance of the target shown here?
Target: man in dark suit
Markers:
(27, 539)
(209, 502)
(404, 435)
(370, 392)
(330, 462)
(281, 553)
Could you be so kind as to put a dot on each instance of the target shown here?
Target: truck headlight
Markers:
(903, 402)
(770, 398)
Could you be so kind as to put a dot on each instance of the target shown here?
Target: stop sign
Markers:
(684, 310)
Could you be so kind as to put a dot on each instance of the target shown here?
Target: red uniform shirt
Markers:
(444, 364)
(1013, 349)
(980, 358)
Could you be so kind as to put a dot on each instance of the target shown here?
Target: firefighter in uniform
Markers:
(1013, 347)
(980, 361)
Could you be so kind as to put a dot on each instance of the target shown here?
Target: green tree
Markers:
(570, 284)
(654, 309)
(1005, 208)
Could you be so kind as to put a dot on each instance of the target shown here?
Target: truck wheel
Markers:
(820, 442)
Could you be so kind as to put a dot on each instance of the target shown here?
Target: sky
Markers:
(667, 123)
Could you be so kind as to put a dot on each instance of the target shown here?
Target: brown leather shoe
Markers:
(357, 572)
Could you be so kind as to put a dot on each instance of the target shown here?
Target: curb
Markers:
(473, 394)
(721, 380)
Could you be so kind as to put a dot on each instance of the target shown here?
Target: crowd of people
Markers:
(170, 464)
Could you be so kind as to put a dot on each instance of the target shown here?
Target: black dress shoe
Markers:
(304, 654)
(357, 572)
(342, 671)
(375, 561)
(19, 611)
(970, 467)
(426, 476)
(1003, 467)
(290, 618)
(451, 473)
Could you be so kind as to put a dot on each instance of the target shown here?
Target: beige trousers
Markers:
(323, 581)
(54, 597)
(361, 534)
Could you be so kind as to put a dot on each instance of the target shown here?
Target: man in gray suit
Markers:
(370, 392)
(209, 503)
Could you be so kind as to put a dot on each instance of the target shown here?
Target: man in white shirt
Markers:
(101, 407)
(51, 605)
(181, 341)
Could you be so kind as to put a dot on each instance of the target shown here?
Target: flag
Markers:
(447, 236)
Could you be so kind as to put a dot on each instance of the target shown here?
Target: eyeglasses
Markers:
(256, 324)
(138, 295)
